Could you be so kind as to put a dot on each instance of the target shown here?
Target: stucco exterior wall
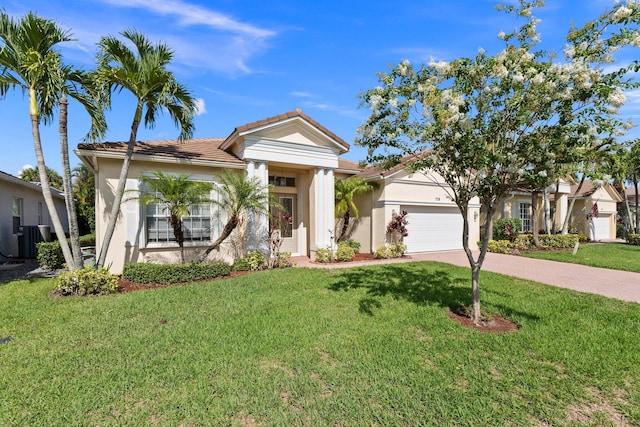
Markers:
(32, 196)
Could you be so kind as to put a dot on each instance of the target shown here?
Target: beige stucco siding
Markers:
(32, 196)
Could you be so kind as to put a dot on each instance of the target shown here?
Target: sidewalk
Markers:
(617, 284)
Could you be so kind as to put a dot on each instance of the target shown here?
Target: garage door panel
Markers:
(433, 229)
(599, 228)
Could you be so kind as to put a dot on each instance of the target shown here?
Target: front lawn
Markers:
(361, 346)
(616, 256)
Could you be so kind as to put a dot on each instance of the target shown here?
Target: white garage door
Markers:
(599, 227)
(433, 229)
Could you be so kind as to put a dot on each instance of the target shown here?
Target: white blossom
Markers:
(393, 102)
(543, 173)
(621, 13)
(569, 51)
(617, 98)
(502, 35)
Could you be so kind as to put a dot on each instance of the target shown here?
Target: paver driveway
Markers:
(622, 285)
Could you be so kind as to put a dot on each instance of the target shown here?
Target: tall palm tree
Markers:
(143, 72)
(345, 192)
(30, 61)
(177, 194)
(239, 197)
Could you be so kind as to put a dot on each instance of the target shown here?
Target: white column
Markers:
(321, 242)
(329, 203)
(263, 219)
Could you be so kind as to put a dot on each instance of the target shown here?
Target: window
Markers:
(525, 215)
(196, 226)
(18, 208)
(283, 218)
(282, 181)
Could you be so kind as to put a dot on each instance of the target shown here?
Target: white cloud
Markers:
(24, 167)
(299, 94)
(189, 14)
(200, 107)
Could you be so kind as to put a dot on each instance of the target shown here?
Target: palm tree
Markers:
(143, 72)
(29, 61)
(239, 197)
(345, 191)
(33, 175)
(177, 194)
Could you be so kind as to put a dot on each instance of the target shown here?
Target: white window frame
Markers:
(525, 215)
(18, 212)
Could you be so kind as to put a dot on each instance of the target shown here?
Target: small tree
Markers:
(177, 194)
(33, 175)
(345, 192)
(397, 226)
(239, 196)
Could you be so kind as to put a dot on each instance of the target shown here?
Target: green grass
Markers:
(366, 346)
(616, 256)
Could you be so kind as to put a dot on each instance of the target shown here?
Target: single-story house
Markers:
(22, 205)
(630, 194)
(594, 211)
(301, 160)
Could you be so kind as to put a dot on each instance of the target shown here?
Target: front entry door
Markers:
(287, 221)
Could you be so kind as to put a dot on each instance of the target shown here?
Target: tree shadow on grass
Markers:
(415, 284)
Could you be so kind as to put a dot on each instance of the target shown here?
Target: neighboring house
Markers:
(22, 204)
(634, 204)
(300, 158)
(594, 211)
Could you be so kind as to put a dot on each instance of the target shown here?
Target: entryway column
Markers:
(321, 241)
(329, 203)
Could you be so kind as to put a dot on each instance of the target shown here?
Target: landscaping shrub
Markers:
(173, 273)
(350, 243)
(507, 229)
(241, 264)
(282, 260)
(345, 253)
(500, 246)
(256, 259)
(395, 250)
(50, 255)
(633, 239)
(554, 241)
(87, 281)
(583, 238)
(620, 231)
(323, 255)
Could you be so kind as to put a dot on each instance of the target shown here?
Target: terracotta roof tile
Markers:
(349, 165)
(205, 149)
(379, 170)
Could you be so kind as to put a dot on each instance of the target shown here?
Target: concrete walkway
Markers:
(622, 285)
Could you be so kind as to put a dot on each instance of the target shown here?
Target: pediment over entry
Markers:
(292, 138)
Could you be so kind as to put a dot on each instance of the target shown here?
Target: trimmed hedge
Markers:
(350, 243)
(395, 250)
(323, 255)
(633, 239)
(50, 253)
(345, 253)
(173, 273)
(499, 228)
(524, 242)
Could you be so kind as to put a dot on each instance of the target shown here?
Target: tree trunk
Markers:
(178, 233)
(555, 207)
(345, 224)
(635, 186)
(226, 232)
(46, 188)
(565, 223)
(534, 218)
(547, 210)
(119, 192)
(74, 231)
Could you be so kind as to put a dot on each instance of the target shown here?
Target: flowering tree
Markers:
(489, 123)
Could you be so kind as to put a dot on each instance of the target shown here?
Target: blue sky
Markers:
(248, 60)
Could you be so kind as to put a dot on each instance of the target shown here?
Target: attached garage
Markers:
(600, 228)
(433, 228)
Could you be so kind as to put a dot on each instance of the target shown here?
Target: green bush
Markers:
(173, 273)
(554, 241)
(620, 231)
(241, 264)
(383, 252)
(350, 243)
(633, 239)
(50, 255)
(583, 238)
(282, 260)
(500, 228)
(500, 246)
(345, 253)
(395, 250)
(87, 281)
(256, 259)
(323, 255)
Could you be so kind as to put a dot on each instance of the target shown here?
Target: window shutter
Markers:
(134, 224)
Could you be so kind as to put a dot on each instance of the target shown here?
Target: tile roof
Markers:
(588, 188)
(379, 169)
(291, 114)
(349, 165)
(205, 149)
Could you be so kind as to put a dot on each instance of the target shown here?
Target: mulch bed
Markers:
(494, 323)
